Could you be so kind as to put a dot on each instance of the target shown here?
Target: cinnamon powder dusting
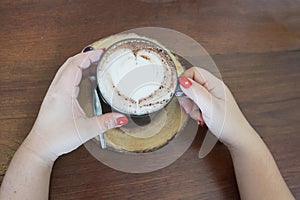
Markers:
(145, 57)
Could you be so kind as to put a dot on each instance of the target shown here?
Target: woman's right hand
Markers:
(218, 108)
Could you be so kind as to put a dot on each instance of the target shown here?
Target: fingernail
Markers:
(121, 121)
(201, 123)
(185, 82)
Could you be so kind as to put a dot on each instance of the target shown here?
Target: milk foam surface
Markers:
(136, 80)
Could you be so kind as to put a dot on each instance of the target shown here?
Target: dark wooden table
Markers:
(256, 45)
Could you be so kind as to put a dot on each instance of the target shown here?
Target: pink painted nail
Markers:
(185, 82)
(121, 121)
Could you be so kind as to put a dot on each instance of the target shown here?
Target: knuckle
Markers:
(70, 60)
(107, 123)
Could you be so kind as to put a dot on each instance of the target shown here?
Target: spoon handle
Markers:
(178, 91)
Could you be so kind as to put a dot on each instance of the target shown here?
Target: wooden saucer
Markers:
(162, 128)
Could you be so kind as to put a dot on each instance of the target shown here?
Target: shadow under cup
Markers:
(146, 76)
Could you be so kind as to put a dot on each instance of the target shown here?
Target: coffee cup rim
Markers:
(152, 43)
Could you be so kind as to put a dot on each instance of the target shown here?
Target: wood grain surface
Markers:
(255, 44)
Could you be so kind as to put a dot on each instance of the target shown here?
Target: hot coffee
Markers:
(136, 76)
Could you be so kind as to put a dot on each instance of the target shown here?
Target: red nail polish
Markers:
(121, 121)
(185, 82)
(201, 123)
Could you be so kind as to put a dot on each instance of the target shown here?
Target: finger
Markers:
(99, 124)
(196, 92)
(196, 114)
(186, 104)
(81, 61)
(192, 109)
(207, 80)
(70, 74)
(77, 110)
(201, 76)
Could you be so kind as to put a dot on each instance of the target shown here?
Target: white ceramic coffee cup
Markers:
(136, 77)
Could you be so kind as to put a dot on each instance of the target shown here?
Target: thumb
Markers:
(199, 94)
(99, 124)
